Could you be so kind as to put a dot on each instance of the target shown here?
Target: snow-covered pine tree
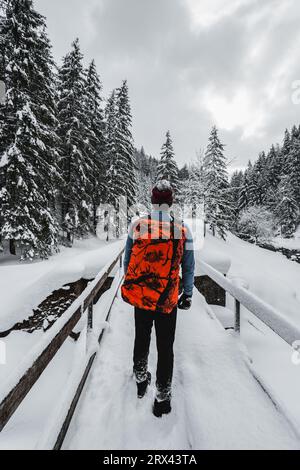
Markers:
(96, 147)
(217, 198)
(295, 132)
(73, 130)
(195, 184)
(235, 189)
(183, 173)
(28, 156)
(259, 170)
(110, 133)
(167, 168)
(121, 156)
(244, 192)
(143, 178)
(252, 188)
(183, 186)
(286, 209)
(286, 148)
(293, 167)
(124, 144)
(274, 167)
(2, 106)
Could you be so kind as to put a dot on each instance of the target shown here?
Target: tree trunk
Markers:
(95, 220)
(12, 247)
(118, 226)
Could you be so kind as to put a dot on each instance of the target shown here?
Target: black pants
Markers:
(165, 326)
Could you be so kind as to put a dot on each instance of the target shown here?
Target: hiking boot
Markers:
(142, 386)
(161, 408)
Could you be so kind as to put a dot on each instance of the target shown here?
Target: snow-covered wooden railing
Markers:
(265, 312)
(33, 365)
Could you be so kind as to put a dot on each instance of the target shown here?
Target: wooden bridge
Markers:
(33, 366)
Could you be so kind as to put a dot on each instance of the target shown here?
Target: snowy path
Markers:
(217, 404)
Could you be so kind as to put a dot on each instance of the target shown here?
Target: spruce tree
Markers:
(96, 145)
(274, 167)
(75, 161)
(28, 156)
(167, 168)
(261, 180)
(111, 127)
(252, 189)
(217, 198)
(235, 190)
(143, 177)
(287, 210)
(293, 168)
(195, 185)
(121, 177)
(124, 145)
(286, 148)
(244, 191)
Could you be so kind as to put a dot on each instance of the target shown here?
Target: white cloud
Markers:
(205, 13)
(238, 111)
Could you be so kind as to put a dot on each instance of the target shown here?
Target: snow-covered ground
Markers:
(291, 243)
(217, 403)
(271, 276)
(276, 280)
(43, 410)
(23, 286)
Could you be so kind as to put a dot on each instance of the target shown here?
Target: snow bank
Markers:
(24, 286)
(271, 276)
(269, 315)
(219, 261)
(273, 362)
(224, 315)
(31, 356)
(216, 257)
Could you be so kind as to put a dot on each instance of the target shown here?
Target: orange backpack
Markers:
(152, 278)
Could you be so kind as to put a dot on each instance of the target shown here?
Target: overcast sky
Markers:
(191, 64)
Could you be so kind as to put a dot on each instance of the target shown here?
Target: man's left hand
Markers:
(185, 302)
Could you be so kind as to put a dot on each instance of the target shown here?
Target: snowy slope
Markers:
(276, 280)
(269, 275)
(24, 286)
(217, 403)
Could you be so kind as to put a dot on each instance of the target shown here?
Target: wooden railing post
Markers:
(90, 315)
(237, 316)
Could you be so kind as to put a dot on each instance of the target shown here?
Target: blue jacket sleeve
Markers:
(188, 265)
(128, 248)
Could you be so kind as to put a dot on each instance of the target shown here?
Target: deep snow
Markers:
(24, 286)
(275, 280)
(217, 402)
(271, 276)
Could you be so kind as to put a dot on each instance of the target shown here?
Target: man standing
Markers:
(157, 246)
